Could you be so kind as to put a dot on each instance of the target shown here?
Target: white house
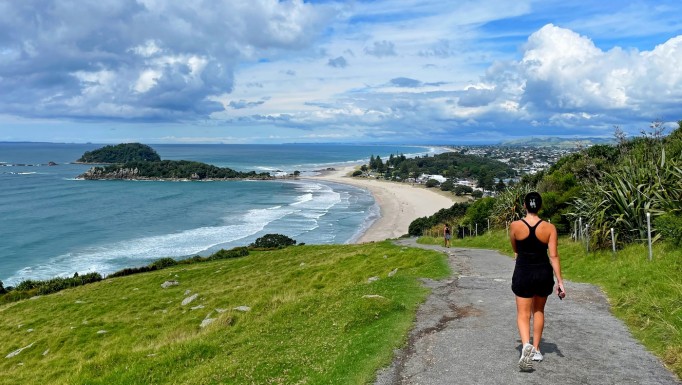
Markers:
(425, 177)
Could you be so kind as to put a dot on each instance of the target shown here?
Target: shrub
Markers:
(432, 183)
(448, 185)
(357, 173)
(130, 271)
(27, 285)
(233, 253)
(461, 189)
(163, 263)
(2, 288)
(670, 228)
(273, 241)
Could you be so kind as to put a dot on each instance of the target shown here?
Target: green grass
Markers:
(647, 295)
(308, 324)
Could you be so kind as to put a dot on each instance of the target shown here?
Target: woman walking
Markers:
(533, 279)
(447, 234)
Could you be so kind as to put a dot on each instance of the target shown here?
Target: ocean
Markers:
(53, 224)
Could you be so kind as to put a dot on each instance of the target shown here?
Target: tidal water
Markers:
(53, 224)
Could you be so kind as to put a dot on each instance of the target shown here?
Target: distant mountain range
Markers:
(557, 142)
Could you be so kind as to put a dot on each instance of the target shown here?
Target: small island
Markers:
(135, 161)
(120, 153)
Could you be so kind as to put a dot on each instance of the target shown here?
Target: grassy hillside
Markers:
(647, 295)
(309, 322)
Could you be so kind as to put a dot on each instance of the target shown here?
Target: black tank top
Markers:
(531, 251)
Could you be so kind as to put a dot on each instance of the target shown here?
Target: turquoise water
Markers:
(55, 225)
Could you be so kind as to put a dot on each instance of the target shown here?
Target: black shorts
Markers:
(531, 280)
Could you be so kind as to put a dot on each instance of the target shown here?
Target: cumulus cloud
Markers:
(563, 78)
(147, 59)
(475, 97)
(381, 49)
(339, 62)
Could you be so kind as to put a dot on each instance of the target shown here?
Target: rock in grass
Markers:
(242, 308)
(206, 322)
(45, 352)
(102, 332)
(168, 284)
(16, 352)
(188, 291)
(373, 296)
(372, 279)
(189, 299)
(197, 307)
(392, 273)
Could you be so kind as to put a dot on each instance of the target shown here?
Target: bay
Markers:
(55, 225)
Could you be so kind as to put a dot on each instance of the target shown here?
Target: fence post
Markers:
(580, 223)
(587, 238)
(648, 229)
(613, 242)
(488, 224)
(476, 233)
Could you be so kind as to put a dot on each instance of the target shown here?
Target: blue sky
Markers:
(267, 71)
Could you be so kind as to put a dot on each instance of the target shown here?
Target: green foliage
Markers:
(232, 253)
(449, 164)
(462, 189)
(2, 288)
(669, 227)
(357, 173)
(642, 183)
(163, 263)
(30, 288)
(449, 215)
(479, 212)
(508, 205)
(273, 241)
(432, 183)
(448, 185)
(121, 153)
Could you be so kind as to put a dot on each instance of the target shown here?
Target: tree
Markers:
(432, 183)
(272, 241)
(2, 288)
(477, 194)
(448, 185)
(500, 186)
(461, 189)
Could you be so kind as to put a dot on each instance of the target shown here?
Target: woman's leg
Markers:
(538, 309)
(523, 311)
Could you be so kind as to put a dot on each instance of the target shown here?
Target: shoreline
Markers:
(399, 203)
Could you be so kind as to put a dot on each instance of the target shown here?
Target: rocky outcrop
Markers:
(96, 173)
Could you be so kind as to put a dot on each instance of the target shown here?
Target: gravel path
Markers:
(466, 334)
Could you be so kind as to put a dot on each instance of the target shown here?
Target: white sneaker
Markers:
(526, 362)
(537, 356)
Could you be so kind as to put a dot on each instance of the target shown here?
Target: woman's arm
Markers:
(554, 258)
(512, 238)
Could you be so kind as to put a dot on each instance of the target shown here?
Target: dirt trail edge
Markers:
(466, 333)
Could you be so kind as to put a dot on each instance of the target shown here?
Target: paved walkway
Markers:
(466, 334)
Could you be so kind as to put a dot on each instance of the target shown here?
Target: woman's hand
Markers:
(560, 290)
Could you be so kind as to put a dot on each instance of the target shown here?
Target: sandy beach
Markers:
(399, 203)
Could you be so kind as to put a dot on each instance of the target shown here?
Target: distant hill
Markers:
(121, 153)
(554, 141)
